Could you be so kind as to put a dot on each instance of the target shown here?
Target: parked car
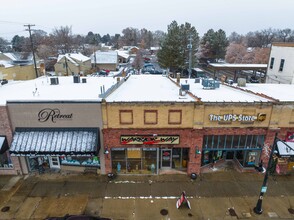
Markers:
(253, 80)
(77, 217)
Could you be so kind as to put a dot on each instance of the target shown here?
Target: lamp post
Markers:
(258, 208)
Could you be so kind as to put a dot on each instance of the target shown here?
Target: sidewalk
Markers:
(216, 195)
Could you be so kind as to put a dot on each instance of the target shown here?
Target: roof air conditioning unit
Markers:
(84, 80)
(185, 87)
(76, 79)
(54, 81)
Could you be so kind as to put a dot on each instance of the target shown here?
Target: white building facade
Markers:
(281, 66)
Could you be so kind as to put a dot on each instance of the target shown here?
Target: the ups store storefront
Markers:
(51, 136)
(236, 133)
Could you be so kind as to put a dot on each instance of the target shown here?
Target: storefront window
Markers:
(5, 161)
(233, 141)
(118, 157)
(134, 164)
(149, 158)
(180, 158)
(92, 161)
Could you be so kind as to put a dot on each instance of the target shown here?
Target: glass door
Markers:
(54, 162)
(166, 158)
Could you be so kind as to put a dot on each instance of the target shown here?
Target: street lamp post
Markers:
(258, 208)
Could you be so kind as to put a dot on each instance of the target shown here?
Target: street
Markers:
(215, 195)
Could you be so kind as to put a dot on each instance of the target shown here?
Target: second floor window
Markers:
(282, 65)
(272, 63)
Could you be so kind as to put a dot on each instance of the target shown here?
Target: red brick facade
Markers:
(189, 138)
(5, 129)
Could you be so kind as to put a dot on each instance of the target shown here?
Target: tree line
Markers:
(175, 44)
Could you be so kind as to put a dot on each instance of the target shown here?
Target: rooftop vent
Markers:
(210, 84)
(241, 82)
(54, 81)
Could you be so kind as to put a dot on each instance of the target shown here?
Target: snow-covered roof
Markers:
(282, 92)
(71, 56)
(10, 56)
(109, 57)
(232, 65)
(222, 94)
(5, 63)
(40, 89)
(148, 88)
(123, 53)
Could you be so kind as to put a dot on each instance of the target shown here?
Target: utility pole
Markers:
(66, 67)
(32, 46)
(190, 55)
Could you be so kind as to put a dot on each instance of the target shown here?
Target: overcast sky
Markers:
(112, 16)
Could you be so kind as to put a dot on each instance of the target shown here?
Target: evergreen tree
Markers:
(174, 53)
(213, 45)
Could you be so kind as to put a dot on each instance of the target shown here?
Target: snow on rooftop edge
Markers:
(40, 89)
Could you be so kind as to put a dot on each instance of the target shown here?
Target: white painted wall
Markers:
(287, 75)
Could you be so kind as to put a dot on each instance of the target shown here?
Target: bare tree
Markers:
(63, 39)
(235, 53)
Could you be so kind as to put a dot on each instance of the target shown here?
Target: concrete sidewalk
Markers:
(216, 195)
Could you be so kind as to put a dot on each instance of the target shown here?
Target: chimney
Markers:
(178, 78)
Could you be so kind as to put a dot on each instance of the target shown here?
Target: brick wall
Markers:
(188, 138)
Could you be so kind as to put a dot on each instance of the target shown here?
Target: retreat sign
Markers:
(149, 139)
(237, 117)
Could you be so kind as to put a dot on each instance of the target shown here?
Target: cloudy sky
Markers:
(112, 16)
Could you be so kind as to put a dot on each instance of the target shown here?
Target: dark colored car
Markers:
(77, 217)
(253, 80)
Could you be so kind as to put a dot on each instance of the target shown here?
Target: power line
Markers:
(32, 45)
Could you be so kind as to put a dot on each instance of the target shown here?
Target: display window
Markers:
(5, 161)
(92, 161)
(134, 160)
(233, 141)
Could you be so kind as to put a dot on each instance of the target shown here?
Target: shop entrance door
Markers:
(166, 158)
(54, 162)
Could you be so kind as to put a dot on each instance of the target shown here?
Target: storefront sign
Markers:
(149, 139)
(235, 117)
(53, 115)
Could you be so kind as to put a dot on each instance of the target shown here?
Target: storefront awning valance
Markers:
(3, 144)
(55, 141)
(285, 149)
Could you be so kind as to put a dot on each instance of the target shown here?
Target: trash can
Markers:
(193, 176)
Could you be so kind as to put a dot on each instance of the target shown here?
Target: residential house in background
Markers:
(281, 67)
(19, 66)
(72, 64)
(105, 60)
(123, 56)
(131, 49)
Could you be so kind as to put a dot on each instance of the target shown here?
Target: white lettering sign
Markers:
(235, 117)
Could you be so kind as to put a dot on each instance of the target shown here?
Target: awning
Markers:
(285, 149)
(3, 144)
(55, 141)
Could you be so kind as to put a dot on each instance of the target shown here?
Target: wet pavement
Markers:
(216, 195)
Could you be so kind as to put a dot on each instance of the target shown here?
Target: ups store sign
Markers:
(238, 117)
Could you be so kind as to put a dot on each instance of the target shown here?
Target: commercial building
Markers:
(53, 123)
(142, 124)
